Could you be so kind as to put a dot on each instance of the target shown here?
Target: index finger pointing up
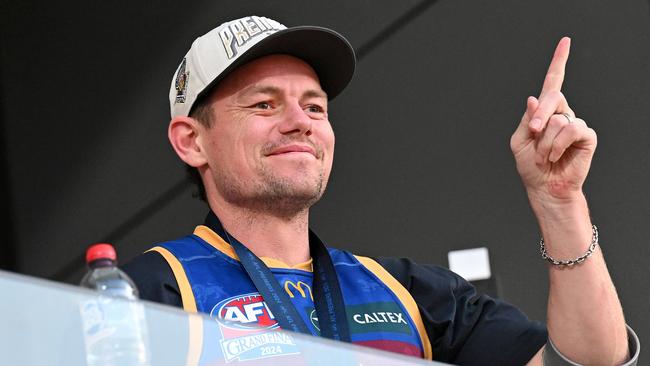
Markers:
(555, 74)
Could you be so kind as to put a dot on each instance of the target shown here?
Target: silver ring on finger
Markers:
(569, 117)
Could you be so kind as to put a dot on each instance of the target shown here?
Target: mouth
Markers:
(293, 149)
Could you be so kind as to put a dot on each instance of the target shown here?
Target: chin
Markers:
(304, 187)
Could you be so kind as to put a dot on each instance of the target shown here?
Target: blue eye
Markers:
(263, 105)
(315, 109)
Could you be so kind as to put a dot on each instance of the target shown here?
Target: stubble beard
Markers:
(272, 193)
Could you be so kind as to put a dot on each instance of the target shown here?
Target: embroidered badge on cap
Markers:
(181, 82)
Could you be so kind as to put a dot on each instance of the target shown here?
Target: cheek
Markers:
(329, 155)
(327, 138)
(324, 135)
(226, 152)
(248, 147)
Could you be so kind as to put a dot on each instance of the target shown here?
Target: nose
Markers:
(295, 120)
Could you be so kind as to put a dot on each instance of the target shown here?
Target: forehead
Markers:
(275, 69)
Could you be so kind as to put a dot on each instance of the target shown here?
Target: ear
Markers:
(183, 134)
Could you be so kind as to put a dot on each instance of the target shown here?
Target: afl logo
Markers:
(247, 311)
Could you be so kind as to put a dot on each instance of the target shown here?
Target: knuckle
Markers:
(557, 121)
(573, 129)
(513, 144)
(594, 135)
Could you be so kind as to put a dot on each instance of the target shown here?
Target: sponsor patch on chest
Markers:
(249, 330)
(378, 317)
(245, 312)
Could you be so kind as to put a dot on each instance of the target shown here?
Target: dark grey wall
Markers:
(422, 163)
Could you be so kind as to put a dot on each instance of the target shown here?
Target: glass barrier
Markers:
(49, 323)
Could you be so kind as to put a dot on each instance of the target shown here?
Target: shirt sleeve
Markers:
(466, 328)
(154, 279)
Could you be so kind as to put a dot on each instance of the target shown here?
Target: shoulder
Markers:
(466, 327)
(438, 291)
(154, 278)
(411, 274)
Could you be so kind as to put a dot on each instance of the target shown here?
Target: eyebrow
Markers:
(272, 90)
(315, 93)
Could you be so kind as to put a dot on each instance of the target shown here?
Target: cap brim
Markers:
(326, 51)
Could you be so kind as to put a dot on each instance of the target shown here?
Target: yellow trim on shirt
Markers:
(215, 240)
(404, 296)
(195, 321)
(276, 263)
(187, 296)
(218, 243)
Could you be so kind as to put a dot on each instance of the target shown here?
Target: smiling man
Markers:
(249, 106)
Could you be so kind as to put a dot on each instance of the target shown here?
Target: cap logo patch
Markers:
(239, 32)
(182, 78)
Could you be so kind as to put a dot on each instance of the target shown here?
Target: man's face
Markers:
(271, 144)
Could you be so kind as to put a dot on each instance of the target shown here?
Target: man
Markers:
(250, 117)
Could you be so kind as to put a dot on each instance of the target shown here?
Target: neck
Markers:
(281, 237)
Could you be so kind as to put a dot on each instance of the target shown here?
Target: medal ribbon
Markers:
(328, 299)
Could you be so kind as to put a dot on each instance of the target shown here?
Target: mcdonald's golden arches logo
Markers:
(300, 286)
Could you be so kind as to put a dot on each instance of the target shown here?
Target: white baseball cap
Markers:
(234, 43)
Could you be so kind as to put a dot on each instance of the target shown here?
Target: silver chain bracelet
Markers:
(571, 262)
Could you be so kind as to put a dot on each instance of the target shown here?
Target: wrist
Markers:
(574, 261)
(554, 210)
(564, 223)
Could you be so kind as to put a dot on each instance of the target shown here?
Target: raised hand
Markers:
(553, 149)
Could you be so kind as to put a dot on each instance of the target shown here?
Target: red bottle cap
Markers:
(100, 251)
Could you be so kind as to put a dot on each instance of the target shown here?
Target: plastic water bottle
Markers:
(115, 331)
